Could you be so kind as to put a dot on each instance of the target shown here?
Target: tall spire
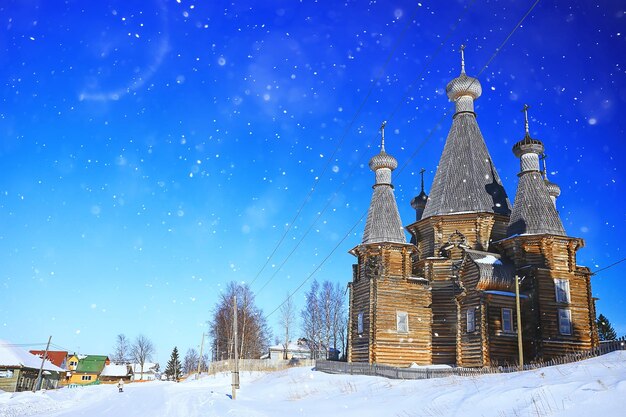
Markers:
(534, 211)
(383, 222)
(553, 189)
(462, 59)
(466, 179)
(525, 110)
(419, 202)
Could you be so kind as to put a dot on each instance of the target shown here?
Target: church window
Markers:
(471, 320)
(507, 320)
(402, 321)
(565, 321)
(359, 323)
(561, 287)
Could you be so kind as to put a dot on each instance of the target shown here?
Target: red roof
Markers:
(57, 357)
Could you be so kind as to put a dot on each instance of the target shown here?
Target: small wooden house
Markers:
(19, 370)
(448, 296)
(146, 373)
(88, 369)
(113, 373)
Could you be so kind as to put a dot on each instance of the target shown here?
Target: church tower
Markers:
(561, 316)
(389, 307)
(467, 209)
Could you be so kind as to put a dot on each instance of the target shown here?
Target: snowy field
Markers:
(592, 388)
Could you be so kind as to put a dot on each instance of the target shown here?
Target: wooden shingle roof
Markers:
(533, 210)
(466, 178)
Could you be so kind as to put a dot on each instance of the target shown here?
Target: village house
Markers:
(149, 372)
(448, 296)
(113, 373)
(19, 370)
(57, 357)
(88, 369)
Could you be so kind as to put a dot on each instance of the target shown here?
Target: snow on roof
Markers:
(115, 370)
(292, 346)
(489, 259)
(147, 367)
(15, 357)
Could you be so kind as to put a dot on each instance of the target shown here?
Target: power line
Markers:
(331, 199)
(607, 267)
(496, 52)
(343, 137)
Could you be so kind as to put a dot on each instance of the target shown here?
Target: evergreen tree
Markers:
(605, 330)
(174, 369)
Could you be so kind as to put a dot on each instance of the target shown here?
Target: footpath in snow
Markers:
(593, 387)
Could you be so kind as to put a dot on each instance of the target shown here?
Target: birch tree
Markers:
(142, 351)
(287, 321)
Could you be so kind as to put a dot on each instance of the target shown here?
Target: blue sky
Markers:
(153, 151)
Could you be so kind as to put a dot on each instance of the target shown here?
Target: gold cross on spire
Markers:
(462, 59)
(525, 110)
(382, 130)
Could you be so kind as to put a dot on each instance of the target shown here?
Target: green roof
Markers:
(91, 364)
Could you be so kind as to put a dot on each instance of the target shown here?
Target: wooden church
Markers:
(448, 296)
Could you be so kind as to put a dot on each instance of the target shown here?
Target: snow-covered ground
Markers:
(595, 387)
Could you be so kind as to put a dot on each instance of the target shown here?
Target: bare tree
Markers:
(142, 351)
(190, 363)
(122, 347)
(339, 319)
(325, 319)
(287, 320)
(311, 319)
(253, 330)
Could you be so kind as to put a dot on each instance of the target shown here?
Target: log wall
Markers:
(548, 258)
(382, 287)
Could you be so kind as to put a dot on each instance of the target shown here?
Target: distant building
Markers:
(19, 370)
(300, 350)
(448, 295)
(297, 350)
(148, 373)
(113, 372)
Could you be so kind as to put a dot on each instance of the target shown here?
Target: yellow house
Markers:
(72, 362)
(88, 369)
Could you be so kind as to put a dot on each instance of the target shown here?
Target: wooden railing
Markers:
(427, 373)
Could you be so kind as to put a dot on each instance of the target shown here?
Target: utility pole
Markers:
(520, 348)
(43, 360)
(235, 382)
(200, 358)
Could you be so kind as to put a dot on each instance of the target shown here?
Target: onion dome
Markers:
(383, 163)
(527, 146)
(553, 189)
(463, 90)
(464, 85)
(419, 202)
(383, 160)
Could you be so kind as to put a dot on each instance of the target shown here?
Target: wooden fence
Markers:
(427, 373)
(257, 365)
